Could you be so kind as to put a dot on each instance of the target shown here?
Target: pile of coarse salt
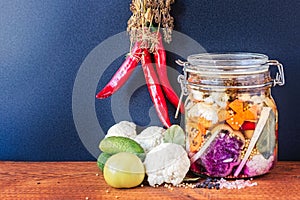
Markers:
(237, 184)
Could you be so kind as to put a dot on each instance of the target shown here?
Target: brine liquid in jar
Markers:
(231, 119)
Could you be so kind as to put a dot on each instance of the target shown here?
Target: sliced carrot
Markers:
(201, 129)
(198, 140)
(250, 113)
(204, 122)
(237, 106)
(242, 114)
(224, 115)
(236, 121)
(196, 143)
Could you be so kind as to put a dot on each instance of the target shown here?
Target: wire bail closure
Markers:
(279, 78)
(182, 80)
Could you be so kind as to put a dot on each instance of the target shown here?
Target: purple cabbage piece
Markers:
(222, 155)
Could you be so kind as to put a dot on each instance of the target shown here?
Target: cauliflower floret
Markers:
(123, 128)
(197, 95)
(258, 165)
(220, 99)
(244, 97)
(150, 137)
(209, 112)
(167, 163)
(258, 99)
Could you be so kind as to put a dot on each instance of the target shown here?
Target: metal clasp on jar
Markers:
(279, 78)
(183, 84)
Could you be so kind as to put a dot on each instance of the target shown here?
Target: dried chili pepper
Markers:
(142, 31)
(161, 67)
(123, 73)
(155, 90)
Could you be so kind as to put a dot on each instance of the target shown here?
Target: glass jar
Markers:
(231, 119)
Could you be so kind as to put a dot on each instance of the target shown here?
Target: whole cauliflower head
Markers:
(150, 137)
(167, 162)
(123, 128)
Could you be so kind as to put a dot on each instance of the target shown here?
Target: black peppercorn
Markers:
(210, 186)
(209, 183)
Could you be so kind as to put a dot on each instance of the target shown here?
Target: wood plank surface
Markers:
(83, 180)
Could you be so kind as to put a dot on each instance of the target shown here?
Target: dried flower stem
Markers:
(144, 14)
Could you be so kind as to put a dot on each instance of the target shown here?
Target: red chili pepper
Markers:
(123, 73)
(248, 125)
(155, 90)
(161, 67)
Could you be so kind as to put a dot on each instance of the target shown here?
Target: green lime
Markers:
(102, 158)
(117, 144)
(124, 170)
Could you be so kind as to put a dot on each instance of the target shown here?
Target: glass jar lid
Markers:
(216, 67)
(235, 62)
(213, 70)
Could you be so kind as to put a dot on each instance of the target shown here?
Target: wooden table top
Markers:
(83, 180)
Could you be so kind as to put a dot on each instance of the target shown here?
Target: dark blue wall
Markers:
(44, 43)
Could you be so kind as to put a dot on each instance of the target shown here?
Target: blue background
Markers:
(43, 44)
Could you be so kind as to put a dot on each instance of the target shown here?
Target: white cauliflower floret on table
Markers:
(123, 128)
(167, 163)
(150, 137)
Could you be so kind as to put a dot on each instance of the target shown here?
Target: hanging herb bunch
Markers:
(149, 25)
(149, 14)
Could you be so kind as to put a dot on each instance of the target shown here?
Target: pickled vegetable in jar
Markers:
(231, 119)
